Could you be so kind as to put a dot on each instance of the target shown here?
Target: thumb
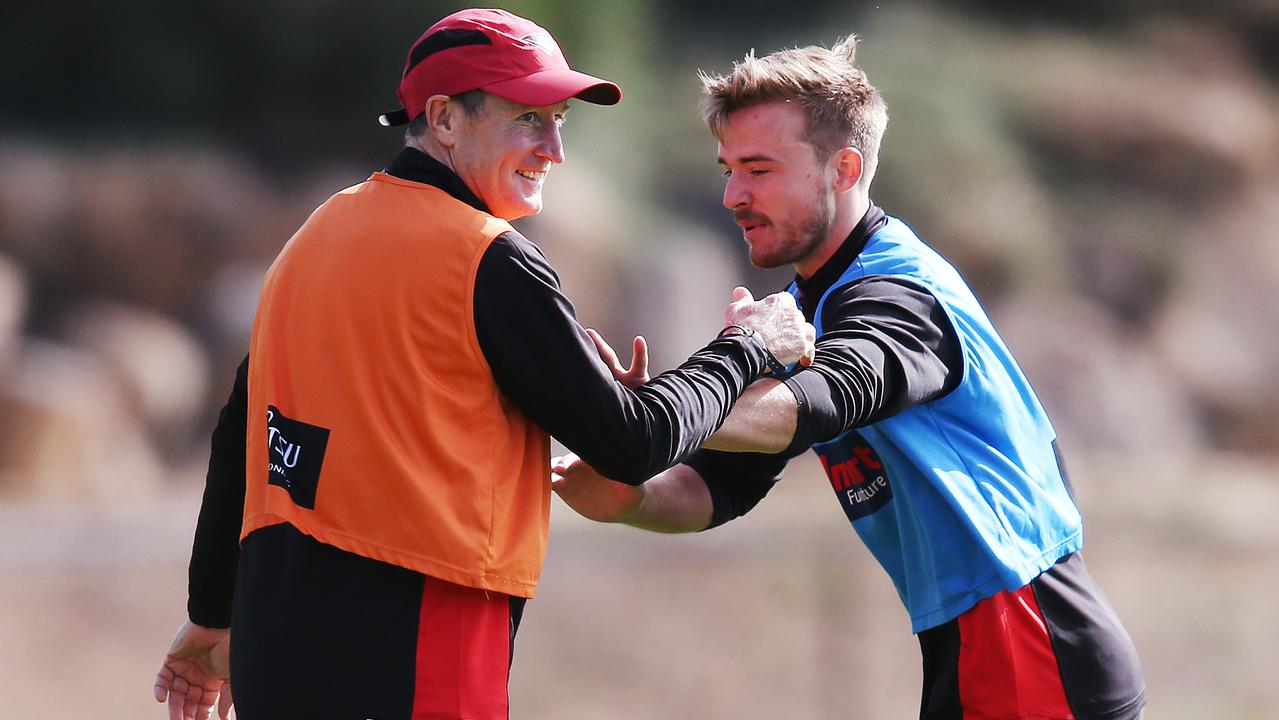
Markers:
(741, 294)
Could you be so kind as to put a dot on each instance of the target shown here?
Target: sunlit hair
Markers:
(842, 108)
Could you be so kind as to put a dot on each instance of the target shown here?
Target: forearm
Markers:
(888, 346)
(546, 364)
(215, 552)
(674, 501)
(708, 490)
(763, 420)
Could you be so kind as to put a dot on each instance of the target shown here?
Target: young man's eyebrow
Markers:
(748, 159)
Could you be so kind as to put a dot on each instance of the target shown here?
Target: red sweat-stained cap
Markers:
(493, 51)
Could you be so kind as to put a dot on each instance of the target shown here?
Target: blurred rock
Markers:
(1176, 107)
(1219, 329)
(230, 305)
(35, 200)
(67, 435)
(1104, 390)
(149, 224)
(163, 370)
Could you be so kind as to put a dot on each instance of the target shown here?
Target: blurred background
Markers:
(1106, 174)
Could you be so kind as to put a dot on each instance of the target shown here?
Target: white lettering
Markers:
(296, 450)
(277, 470)
(279, 444)
(870, 490)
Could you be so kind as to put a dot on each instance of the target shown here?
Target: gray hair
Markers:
(472, 102)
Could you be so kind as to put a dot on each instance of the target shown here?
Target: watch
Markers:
(775, 366)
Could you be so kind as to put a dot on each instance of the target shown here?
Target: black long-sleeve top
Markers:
(541, 359)
(887, 346)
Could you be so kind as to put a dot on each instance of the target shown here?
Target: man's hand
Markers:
(195, 673)
(778, 321)
(592, 495)
(633, 376)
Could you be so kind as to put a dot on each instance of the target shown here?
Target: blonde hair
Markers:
(842, 108)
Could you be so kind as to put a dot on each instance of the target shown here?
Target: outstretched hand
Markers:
(633, 376)
(592, 495)
(195, 673)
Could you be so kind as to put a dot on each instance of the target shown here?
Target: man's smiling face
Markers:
(504, 151)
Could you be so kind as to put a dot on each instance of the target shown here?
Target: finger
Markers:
(742, 299)
(225, 702)
(190, 705)
(163, 680)
(639, 358)
(195, 710)
(177, 698)
(563, 462)
(202, 703)
(810, 345)
(605, 350)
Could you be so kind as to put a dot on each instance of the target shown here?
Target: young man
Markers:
(936, 447)
(410, 356)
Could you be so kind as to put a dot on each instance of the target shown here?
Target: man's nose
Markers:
(734, 194)
(551, 147)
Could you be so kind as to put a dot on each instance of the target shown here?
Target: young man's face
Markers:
(504, 151)
(776, 187)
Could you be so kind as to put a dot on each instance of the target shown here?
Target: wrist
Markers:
(772, 364)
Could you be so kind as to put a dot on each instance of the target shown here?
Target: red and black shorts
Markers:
(1051, 650)
(317, 632)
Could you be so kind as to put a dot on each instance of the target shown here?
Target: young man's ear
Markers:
(848, 168)
(442, 119)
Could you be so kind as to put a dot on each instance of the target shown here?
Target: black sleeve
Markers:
(888, 345)
(544, 361)
(736, 481)
(216, 550)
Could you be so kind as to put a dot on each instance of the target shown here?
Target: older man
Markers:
(936, 447)
(410, 356)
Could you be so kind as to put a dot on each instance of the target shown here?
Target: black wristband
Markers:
(775, 366)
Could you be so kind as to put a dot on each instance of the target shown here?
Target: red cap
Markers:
(497, 52)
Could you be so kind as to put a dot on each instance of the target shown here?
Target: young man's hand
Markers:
(778, 321)
(592, 495)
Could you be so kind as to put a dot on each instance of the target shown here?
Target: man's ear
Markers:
(847, 163)
(443, 116)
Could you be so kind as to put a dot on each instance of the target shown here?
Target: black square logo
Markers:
(295, 452)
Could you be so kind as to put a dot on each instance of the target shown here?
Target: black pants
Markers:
(320, 633)
(1052, 648)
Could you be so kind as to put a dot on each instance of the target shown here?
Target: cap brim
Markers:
(549, 87)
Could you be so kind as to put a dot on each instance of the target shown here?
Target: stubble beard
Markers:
(798, 244)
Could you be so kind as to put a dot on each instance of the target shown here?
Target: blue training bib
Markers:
(962, 497)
